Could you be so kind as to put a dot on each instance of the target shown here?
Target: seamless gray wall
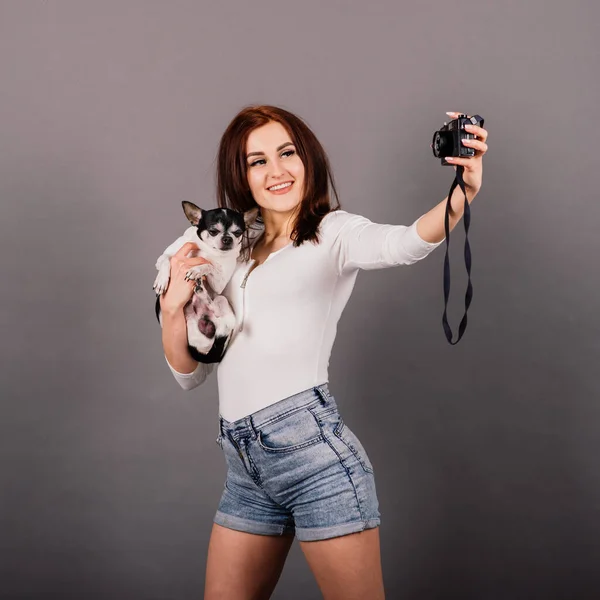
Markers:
(485, 452)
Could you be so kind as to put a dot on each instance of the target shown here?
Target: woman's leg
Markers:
(244, 566)
(347, 567)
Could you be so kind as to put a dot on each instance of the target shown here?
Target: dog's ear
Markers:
(192, 212)
(251, 215)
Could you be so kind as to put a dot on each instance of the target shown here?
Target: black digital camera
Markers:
(447, 141)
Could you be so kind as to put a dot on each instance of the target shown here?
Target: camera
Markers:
(447, 141)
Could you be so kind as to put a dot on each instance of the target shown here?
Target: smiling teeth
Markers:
(280, 186)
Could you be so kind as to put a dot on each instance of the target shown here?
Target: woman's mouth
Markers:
(281, 188)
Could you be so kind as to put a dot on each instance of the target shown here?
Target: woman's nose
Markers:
(276, 169)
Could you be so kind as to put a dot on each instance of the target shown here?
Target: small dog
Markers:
(210, 320)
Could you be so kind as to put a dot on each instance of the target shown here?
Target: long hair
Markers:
(232, 182)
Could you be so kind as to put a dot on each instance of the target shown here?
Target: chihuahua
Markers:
(210, 320)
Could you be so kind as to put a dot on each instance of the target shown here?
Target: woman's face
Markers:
(271, 160)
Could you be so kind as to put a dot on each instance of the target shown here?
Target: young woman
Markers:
(294, 467)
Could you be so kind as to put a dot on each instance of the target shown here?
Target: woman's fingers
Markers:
(181, 256)
(480, 132)
(196, 260)
(185, 249)
(476, 144)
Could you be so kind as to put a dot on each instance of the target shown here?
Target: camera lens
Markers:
(442, 144)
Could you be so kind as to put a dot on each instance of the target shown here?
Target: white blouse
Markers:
(288, 307)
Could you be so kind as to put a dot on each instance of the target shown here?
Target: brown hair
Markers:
(232, 183)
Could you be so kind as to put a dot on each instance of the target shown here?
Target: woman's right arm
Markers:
(187, 372)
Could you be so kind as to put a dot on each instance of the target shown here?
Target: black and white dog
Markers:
(210, 320)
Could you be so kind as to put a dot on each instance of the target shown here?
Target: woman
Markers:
(294, 468)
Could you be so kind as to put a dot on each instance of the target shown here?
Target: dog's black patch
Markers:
(157, 308)
(215, 355)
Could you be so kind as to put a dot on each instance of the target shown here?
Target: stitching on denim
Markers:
(360, 509)
(256, 475)
(327, 410)
(310, 442)
(287, 413)
(322, 392)
(339, 428)
(227, 518)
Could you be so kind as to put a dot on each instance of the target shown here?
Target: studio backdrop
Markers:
(485, 453)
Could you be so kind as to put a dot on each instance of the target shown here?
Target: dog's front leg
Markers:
(218, 278)
(198, 271)
(163, 264)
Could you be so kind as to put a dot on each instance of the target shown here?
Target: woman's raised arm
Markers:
(358, 243)
(187, 372)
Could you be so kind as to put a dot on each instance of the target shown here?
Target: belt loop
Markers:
(253, 427)
(220, 425)
(321, 392)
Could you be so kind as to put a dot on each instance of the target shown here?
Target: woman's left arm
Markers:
(431, 225)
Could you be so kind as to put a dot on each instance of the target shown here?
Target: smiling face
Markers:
(275, 171)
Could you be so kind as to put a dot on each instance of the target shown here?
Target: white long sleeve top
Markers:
(288, 307)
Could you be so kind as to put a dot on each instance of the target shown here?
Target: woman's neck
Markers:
(278, 227)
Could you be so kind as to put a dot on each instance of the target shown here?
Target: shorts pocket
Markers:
(290, 432)
(347, 436)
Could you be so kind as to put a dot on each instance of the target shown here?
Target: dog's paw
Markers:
(161, 283)
(198, 271)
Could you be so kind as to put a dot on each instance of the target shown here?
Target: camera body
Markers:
(447, 141)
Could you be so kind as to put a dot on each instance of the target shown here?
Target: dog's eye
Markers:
(213, 232)
(237, 233)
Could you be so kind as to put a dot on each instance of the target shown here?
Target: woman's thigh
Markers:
(244, 566)
(347, 567)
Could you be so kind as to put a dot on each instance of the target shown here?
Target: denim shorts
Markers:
(294, 467)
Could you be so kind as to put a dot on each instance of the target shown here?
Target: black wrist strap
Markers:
(469, 295)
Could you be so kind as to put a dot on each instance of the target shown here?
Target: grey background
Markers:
(485, 452)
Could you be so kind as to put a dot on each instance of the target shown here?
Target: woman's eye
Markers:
(285, 153)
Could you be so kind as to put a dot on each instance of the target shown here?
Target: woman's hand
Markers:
(180, 289)
(473, 165)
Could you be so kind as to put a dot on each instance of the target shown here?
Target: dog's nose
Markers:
(227, 241)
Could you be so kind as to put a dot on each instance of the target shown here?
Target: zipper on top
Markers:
(245, 278)
(243, 286)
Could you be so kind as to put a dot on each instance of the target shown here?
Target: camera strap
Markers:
(469, 295)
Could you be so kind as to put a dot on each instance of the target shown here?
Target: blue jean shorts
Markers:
(294, 467)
